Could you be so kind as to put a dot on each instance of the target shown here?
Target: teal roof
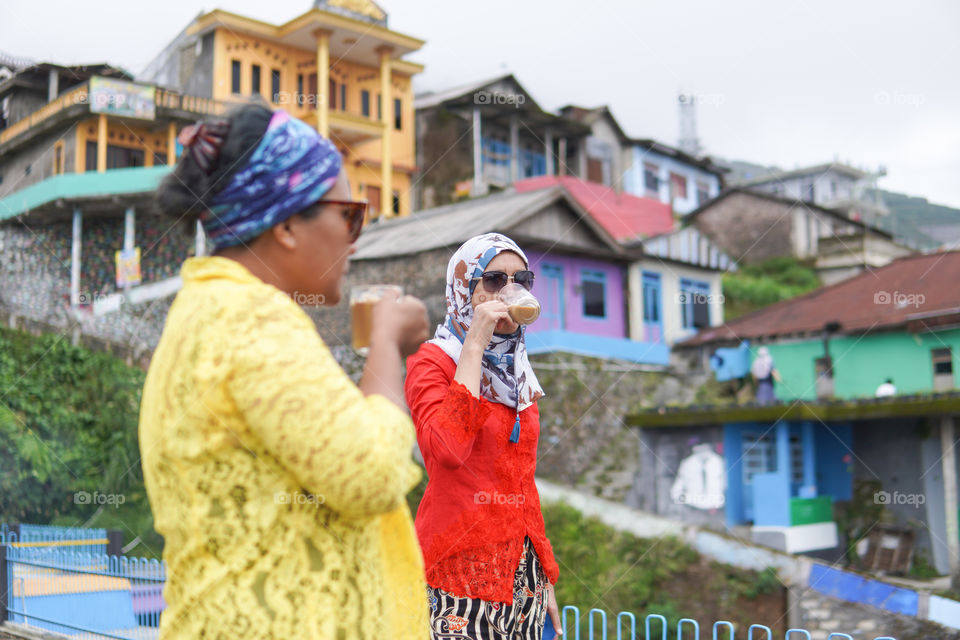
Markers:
(77, 186)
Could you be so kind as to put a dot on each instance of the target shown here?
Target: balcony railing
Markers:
(163, 98)
(77, 95)
(168, 99)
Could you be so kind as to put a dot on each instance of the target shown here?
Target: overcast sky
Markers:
(788, 83)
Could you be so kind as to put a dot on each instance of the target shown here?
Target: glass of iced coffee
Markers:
(362, 300)
(522, 306)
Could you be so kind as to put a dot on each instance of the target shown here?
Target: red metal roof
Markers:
(915, 292)
(624, 216)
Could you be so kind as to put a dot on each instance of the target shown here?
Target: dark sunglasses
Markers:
(493, 281)
(354, 212)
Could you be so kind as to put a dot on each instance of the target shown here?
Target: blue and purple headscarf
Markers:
(291, 168)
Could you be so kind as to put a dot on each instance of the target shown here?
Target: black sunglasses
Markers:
(493, 281)
(354, 213)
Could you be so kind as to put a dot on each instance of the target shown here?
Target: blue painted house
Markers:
(787, 472)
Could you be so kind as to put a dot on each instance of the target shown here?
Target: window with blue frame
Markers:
(759, 455)
(495, 152)
(703, 192)
(651, 297)
(365, 103)
(532, 164)
(594, 286)
(651, 178)
(694, 303)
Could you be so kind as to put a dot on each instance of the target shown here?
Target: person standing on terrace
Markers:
(278, 485)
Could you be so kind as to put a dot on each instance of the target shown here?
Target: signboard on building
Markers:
(128, 267)
(122, 98)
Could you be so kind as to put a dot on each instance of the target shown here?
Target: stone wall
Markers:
(35, 280)
(747, 228)
(422, 275)
(661, 452)
(822, 615)
(584, 441)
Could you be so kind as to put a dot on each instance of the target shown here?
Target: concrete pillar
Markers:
(129, 229)
(477, 153)
(514, 148)
(102, 143)
(171, 144)
(323, 81)
(199, 240)
(809, 455)
(783, 453)
(75, 257)
(562, 156)
(949, 465)
(386, 118)
(548, 150)
(53, 85)
(582, 159)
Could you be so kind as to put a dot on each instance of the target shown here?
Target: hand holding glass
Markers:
(521, 305)
(362, 300)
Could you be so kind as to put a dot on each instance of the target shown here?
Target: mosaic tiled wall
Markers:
(35, 275)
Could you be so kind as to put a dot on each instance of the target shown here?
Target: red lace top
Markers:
(481, 500)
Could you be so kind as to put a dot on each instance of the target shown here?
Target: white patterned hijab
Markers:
(506, 375)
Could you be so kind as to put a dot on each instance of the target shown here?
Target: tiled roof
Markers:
(915, 292)
(625, 216)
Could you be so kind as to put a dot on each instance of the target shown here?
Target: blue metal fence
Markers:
(61, 579)
(656, 627)
(75, 538)
(54, 584)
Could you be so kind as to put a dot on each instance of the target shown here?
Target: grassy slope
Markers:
(758, 285)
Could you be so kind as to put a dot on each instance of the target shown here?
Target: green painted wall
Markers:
(861, 363)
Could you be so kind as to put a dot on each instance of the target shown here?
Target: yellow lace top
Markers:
(277, 486)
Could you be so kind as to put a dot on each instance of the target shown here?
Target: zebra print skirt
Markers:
(460, 618)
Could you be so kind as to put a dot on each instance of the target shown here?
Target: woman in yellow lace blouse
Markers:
(277, 484)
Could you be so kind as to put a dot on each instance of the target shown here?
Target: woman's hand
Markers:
(402, 320)
(553, 610)
(399, 327)
(486, 316)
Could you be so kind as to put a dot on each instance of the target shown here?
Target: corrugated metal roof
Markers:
(433, 98)
(449, 225)
(77, 186)
(915, 292)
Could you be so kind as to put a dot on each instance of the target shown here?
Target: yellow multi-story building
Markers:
(83, 147)
(337, 67)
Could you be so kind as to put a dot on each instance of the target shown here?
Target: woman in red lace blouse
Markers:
(472, 393)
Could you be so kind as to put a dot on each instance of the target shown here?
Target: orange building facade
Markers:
(336, 67)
